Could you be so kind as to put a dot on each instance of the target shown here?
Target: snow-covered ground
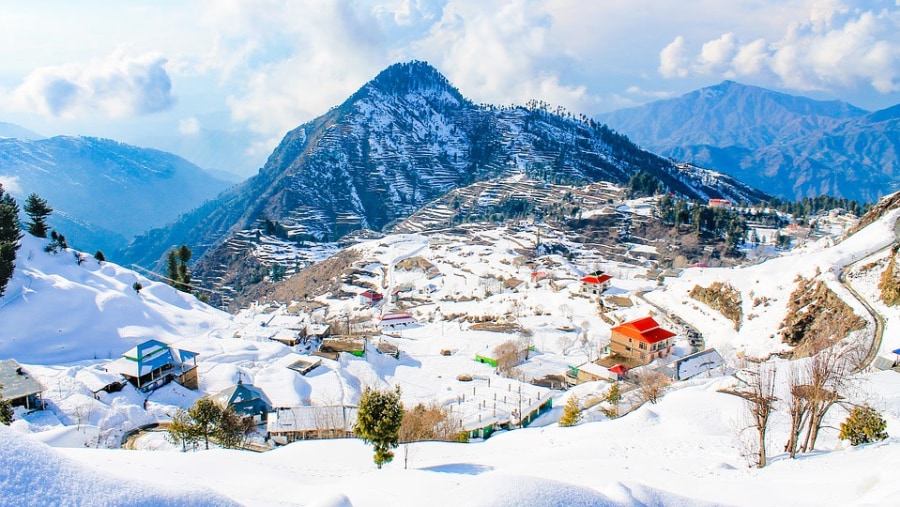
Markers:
(61, 319)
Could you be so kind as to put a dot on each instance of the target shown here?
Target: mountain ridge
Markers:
(786, 145)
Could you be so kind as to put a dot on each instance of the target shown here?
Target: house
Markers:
(98, 380)
(395, 320)
(18, 387)
(595, 284)
(512, 284)
(700, 363)
(720, 203)
(286, 425)
(370, 297)
(153, 364)
(642, 340)
(245, 399)
(589, 372)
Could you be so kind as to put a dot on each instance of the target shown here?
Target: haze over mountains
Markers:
(789, 146)
(103, 192)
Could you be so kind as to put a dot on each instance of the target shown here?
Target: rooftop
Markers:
(17, 383)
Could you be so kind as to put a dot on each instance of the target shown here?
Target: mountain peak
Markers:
(413, 77)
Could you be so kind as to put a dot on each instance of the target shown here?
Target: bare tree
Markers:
(798, 407)
(827, 373)
(650, 385)
(758, 391)
(427, 422)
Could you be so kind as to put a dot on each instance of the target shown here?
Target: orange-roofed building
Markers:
(642, 340)
(595, 284)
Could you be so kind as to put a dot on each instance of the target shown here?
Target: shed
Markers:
(696, 364)
(20, 388)
(99, 380)
(287, 425)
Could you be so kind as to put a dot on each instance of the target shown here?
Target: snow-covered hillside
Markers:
(467, 293)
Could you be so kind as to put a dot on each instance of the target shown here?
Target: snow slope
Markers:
(686, 450)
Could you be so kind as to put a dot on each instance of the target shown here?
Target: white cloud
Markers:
(11, 184)
(189, 126)
(673, 60)
(834, 47)
(118, 86)
(716, 55)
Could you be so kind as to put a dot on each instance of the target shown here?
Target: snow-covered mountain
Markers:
(404, 139)
(103, 192)
(687, 449)
(786, 145)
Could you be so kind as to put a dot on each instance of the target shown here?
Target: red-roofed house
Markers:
(370, 297)
(595, 284)
(641, 339)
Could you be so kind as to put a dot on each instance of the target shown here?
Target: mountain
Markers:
(18, 132)
(103, 192)
(405, 138)
(223, 154)
(789, 146)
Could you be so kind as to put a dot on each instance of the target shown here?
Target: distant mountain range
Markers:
(789, 146)
(18, 132)
(103, 192)
(404, 139)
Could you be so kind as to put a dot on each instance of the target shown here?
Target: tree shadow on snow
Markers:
(459, 468)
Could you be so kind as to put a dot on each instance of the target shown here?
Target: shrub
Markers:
(863, 425)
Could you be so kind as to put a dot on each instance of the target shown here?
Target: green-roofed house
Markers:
(247, 400)
(20, 388)
(153, 364)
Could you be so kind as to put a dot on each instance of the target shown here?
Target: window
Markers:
(643, 346)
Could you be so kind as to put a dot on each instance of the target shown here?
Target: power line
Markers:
(172, 282)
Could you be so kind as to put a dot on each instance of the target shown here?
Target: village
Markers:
(471, 320)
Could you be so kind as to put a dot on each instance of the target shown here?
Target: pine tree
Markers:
(863, 425)
(614, 396)
(9, 237)
(181, 430)
(99, 256)
(177, 272)
(38, 211)
(205, 414)
(231, 428)
(571, 413)
(378, 422)
(6, 410)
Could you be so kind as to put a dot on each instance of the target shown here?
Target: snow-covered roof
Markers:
(312, 418)
(97, 379)
(16, 382)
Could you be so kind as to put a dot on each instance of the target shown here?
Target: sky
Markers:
(148, 72)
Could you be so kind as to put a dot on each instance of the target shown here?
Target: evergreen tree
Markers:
(378, 422)
(38, 211)
(9, 237)
(231, 428)
(181, 430)
(99, 256)
(205, 414)
(177, 272)
(863, 425)
(571, 412)
(614, 396)
(6, 410)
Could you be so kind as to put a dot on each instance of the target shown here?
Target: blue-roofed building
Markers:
(153, 364)
(246, 400)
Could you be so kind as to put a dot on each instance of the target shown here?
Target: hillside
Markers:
(404, 139)
(687, 446)
(788, 146)
(103, 192)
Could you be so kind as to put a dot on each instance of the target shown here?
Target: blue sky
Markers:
(142, 70)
